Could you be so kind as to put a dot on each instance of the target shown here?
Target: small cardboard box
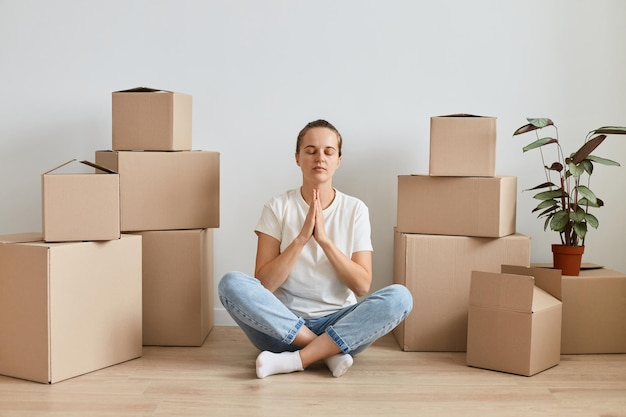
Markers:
(514, 321)
(69, 308)
(177, 287)
(437, 270)
(594, 310)
(166, 190)
(151, 120)
(460, 206)
(80, 206)
(462, 145)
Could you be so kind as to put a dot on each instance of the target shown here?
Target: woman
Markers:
(314, 258)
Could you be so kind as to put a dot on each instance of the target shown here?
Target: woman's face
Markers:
(319, 154)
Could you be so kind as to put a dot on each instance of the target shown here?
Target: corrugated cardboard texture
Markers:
(514, 326)
(177, 287)
(482, 207)
(69, 308)
(166, 190)
(594, 312)
(463, 146)
(437, 270)
(80, 206)
(156, 120)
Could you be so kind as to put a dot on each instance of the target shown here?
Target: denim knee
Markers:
(402, 296)
(230, 284)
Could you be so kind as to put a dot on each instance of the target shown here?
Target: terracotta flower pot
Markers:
(567, 258)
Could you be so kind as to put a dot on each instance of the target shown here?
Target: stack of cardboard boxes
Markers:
(126, 254)
(169, 195)
(70, 298)
(474, 290)
(459, 218)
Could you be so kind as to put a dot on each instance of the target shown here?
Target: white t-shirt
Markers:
(312, 288)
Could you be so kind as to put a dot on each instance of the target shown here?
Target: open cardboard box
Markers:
(80, 205)
(514, 320)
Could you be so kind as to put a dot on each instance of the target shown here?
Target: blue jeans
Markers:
(271, 326)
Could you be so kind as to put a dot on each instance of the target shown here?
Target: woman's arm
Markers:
(273, 267)
(355, 272)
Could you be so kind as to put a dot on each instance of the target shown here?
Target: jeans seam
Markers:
(246, 318)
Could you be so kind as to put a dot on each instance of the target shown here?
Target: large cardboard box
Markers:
(177, 287)
(594, 310)
(514, 322)
(69, 308)
(166, 190)
(437, 270)
(80, 205)
(462, 145)
(460, 206)
(152, 120)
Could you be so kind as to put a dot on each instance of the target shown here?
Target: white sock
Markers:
(339, 364)
(268, 363)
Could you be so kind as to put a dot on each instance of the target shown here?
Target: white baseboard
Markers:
(222, 318)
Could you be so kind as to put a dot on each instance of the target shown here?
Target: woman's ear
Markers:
(297, 159)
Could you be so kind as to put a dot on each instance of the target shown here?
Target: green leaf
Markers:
(587, 193)
(539, 143)
(580, 229)
(545, 204)
(587, 165)
(609, 130)
(548, 195)
(559, 221)
(603, 161)
(578, 215)
(575, 170)
(592, 220)
(583, 202)
(540, 122)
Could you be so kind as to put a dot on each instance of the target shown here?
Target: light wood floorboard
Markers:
(218, 379)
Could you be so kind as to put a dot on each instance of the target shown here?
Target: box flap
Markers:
(502, 291)
(543, 300)
(461, 115)
(547, 279)
(22, 237)
(91, 164)
(143, 90)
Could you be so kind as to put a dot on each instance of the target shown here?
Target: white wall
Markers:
(259, 70)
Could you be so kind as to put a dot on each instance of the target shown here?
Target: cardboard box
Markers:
(177, 287)
(437, 270)
(166, 190)
(460, 206)
(69, 308)
(594, 308)
(146, 119)
(80, 206)
(462, 145)
(514, 324)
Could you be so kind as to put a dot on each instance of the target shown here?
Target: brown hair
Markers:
(314, 124)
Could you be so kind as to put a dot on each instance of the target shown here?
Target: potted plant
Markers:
(565, 198)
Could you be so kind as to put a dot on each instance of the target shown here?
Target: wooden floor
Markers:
(218, 379)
